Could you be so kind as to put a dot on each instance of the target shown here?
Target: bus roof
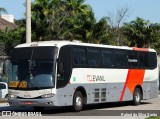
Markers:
(62, 43)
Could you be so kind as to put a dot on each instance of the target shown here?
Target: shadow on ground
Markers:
(88, 110)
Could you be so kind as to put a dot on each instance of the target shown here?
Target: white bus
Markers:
(63, 73)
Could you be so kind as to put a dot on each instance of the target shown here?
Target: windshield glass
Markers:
(34, 73)
(37, 73)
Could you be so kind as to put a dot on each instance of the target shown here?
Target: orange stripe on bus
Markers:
(134, 77)
(125, 85)
(140, 49)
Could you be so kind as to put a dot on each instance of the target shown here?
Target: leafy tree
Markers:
(136, 32)
(102, 32)
(9, 39)
(66, 20)
(154, 36)
(40, 11)
(142, 33)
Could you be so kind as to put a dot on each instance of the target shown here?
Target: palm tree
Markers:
(60, 19)
(82, 20)
(66, 19)
(138, 32)
(2, 10)
(40, 13)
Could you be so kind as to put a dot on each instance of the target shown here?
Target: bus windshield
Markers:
(37, 72)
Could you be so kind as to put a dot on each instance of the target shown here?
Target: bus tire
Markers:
(6, 96)
(38, 109)
(137, 96)
(78, 101)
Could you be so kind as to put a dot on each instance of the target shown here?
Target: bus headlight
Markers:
(12, 96)
(48, 95)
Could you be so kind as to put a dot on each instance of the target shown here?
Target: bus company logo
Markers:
(95, 78)
(27, 94)
(89, 78)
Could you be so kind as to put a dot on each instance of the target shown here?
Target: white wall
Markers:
(9, 18)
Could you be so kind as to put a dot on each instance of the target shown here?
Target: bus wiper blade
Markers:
(31, 66)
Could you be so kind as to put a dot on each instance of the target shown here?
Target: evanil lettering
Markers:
(95, 78)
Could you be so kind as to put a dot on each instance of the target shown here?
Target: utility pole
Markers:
(28, 21)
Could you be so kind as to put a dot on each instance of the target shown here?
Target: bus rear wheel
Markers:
(78, 101)
(137, 96)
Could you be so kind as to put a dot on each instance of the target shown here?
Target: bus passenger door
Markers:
(64, 67)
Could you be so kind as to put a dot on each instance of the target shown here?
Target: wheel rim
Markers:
(78, 101)
(137, 97)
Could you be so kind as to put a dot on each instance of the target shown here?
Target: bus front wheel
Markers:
(6, 96)
(78, 101)
(137, 96)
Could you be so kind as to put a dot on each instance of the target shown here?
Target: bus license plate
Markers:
(27, 103)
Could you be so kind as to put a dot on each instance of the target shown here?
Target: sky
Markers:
(146, 9)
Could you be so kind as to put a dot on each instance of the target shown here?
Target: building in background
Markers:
(7, 24)
(7, 21)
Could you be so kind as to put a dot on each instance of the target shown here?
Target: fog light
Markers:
(12, 96)
(48, 95)
(49, 103)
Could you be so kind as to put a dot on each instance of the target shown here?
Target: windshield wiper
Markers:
(30, 70)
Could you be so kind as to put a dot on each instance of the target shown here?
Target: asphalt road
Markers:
(147, 108)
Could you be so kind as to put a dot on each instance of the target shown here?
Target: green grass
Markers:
(153, 117)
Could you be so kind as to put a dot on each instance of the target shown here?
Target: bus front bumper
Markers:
(32, 102)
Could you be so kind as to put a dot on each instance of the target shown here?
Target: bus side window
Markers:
(143, 60)
(94, 57)
(152, 60)
(132, 59)
(107, 59)
(146, 59)
(121, 59)
(79, 56)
